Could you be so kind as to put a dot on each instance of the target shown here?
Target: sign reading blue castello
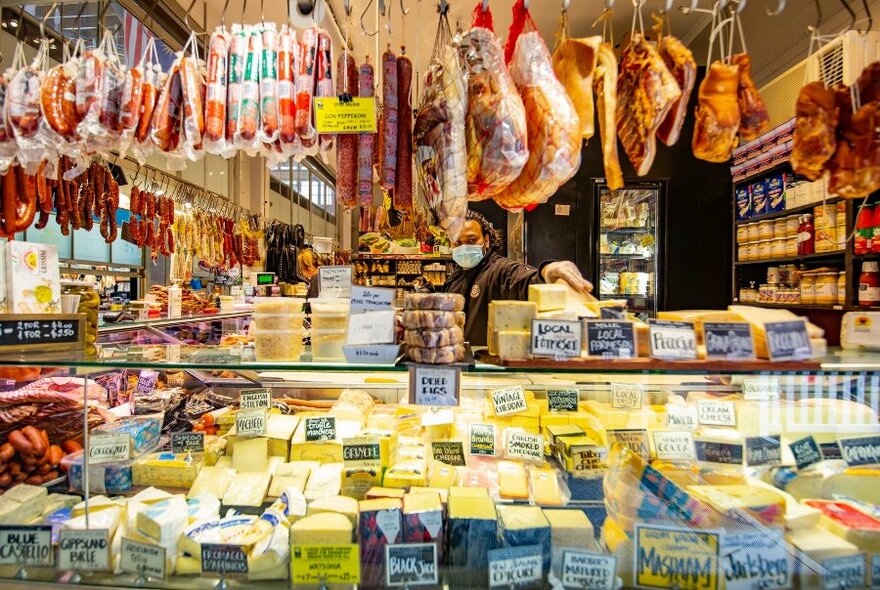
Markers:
(718, 452)
(728, 340)
(411, 564)
(788, 341)
(860, 450)
(673, 341)
(763, 450)
(25, 545)
(806, 452)
(610, 339)
(556, 338)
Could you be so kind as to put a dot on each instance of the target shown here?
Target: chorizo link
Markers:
(403, 196)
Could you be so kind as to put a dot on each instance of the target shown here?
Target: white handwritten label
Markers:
(672, 340)
(255, 399)
(107, 448)
(438, 416)
(556, 338)
(583, 570)
(681, 416)
(84, 550)
(516, 568)
(371, 327)
(430, 385)
(410, 564)
(716, 413)
(26, 545)
(509, 400)
(335, 281)
(144, 559)
(525, 446)
(370, 299)
(635, 439)
(674, 445)
(756, 560)
(627, 396)
(250, 423)
(761, 389)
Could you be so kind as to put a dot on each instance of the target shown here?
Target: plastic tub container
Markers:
(278, 345)
(329, 305)
(322, 245)
(278, 321)
(327, 345)
(285, 305)
(105, 478)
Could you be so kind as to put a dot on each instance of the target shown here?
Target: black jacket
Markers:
(495, 278)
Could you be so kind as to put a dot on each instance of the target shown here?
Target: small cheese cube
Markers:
(513, 345)
(512, 482)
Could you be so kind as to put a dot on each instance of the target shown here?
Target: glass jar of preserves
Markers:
(869, 285)
(752, 232)
(792, 223)
(780, 228)
(742, 252)
(773, 275)
(765, 230)
(742, 234)
(808, 289)
(841, 288)
(764, 250)
(826, 288)
(777, 248)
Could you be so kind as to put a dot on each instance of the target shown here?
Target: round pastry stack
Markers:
(434, 325)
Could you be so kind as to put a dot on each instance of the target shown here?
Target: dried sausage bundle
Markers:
(215, 93)
(101, 97)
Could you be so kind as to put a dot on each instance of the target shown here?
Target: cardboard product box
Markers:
(776, 189)
(33, 279)
(743, 203)
(758, 192)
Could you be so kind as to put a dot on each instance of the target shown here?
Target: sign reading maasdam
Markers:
(667, 557)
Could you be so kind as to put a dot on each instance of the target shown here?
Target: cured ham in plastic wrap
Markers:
(717, 114)
(574, 63)
(215, 93)
(554, 139)
(496, 119)
(439, 135)
(605, 85)
(816, 118)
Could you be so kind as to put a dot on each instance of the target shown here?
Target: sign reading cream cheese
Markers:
(84, 550)
(370, 299)
(516, 568)
(524, 445)
(410, 564)
(509, 400)
(250, 422)
(330, 564)
(716, 413)
(671, 557)
(674, 445)
(107, 448)
(627, 396)
(255, 399)
(335, 281)
(145, 559)
(434, 386)
(556, 338)
(582, 570)
(26, 545)
(674, 341)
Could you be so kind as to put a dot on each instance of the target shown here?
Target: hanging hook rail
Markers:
(780, 6)
(363, 26)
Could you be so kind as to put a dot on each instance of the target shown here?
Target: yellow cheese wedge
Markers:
(512, 483)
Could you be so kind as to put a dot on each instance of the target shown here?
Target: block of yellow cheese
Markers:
(251, 455)
(513, 345)
(743, 502)
(348, 507)
(509, 316)
(849, 523)
(548, 297)
(569, 529)
(512, 481)
(325, 528)
(544, 483)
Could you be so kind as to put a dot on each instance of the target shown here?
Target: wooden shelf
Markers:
(774, 168)
(868, 256)
(797, 306)
(787, 212)
(648, 364)
(817, 256)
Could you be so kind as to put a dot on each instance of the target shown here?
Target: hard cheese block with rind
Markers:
(379, 524)
(472, 534)
(526, 525)
(548, 297)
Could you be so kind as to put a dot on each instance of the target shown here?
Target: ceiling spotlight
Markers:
(13, 22)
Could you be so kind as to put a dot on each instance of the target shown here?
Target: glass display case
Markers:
(665, 478)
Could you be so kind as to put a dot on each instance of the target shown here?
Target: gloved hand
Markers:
(568, 272)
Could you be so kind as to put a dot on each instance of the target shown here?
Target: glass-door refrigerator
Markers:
(629, 231)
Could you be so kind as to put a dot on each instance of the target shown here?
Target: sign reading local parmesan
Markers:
(516, 568)
(250, 422)
(330, 564)
(610, 339)
(671, 557)
(788, 341)
(430, 385)
(763, 450)
(410, 564)
(673, 341)
(583, 570)
(525, 446)
(145, 559)
(627, 396)
(26, 545)
(320, 428)
(84, 550)
(674, 445)
(556, 338)
(728, 340)
(509, 400)
(255, 399)
(860, 450)
(106, 448)
(562, 400)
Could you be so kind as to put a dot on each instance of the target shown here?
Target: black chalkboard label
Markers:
(718, 452)
(321, 428)
(860, 450)
(450, 452)
(187, 442)
(224, 559)
(562, 400)
(728, 340)
(788, 341)
(763, 450)
(806, 452)
(610, 339)
(27, 332)
(410, 564)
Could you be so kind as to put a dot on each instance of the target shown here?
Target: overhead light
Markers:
(188, 205)
(13, 22)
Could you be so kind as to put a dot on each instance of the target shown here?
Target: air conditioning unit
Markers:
(838, 62)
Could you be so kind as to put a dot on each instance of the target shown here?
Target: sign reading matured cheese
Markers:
(674, 445)
(582, 570)
(844, 572)
(434, 386)
(860, 450)
(672, 341)
(516, 568)
(84, 550)
(330, 564)
(562, 400)
(556, 338)
(627, 396)
(716, 413)
(255, 399)
(670, 557)
(524, 445)
(806, 452)
(25, 545)
(335, 281)
(106, 448)
(788, 341)
(410, 564)
(250, 422)
(610, 339)
(145, 559)
(509, 400)
(756, 560)
(728, 340)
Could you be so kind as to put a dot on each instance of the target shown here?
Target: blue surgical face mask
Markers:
(468, 255)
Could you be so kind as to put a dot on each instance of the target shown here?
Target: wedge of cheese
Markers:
(548, 297)
(743, 502)
(569, 528)
(849, 523)
(512, 481)
(818, 544)
(343, 505)
(325, 528)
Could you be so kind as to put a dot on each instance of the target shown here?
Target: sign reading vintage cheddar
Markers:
(670, 557)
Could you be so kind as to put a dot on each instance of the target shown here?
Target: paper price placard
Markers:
(371, 327)
(761, 389)
(667, 557)
(250, 423)
(87, 550)
(335, 281)
(728, 340)
(509, 400)
(681, 416)
(844, 572)
(674, 445)
(370, 299)
(627, 396)
(450, 452)
(716, 413)
(556, 338)
(255, 399)
(331, 564)
(583, 570)
(860, 450)
(757, 560)
(107, 448)
(524, 445)
(635, 439)
(357, 115)
(434, 386)
(25, 545)
(145, 559)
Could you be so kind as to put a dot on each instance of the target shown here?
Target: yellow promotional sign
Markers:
(355, 116)
(670, 557)
(331, 564)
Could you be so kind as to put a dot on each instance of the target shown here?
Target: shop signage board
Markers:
(716, 413)
(673, 557)
(371, 327)
(44, 331)
(370, 299)
(435, 386)
(26, 545)
(255, 399)
(516, 568)
(411, 564)
(509, 400)
(844, 572)
(335, 281)
(672, 341)
(144, 559)
(627, 396)
(330, 564)
(524, 445)
(763, 450)
(482, 440)
(806, 452)
(708, 451)
(610, 339)
(674, 445)
(860, 450)
(187, 442)
(562, 400)
(250, 422)
(788, 341)
(450, 452)
(757, 560)
(224, 560)
(354, 115)
(107, 448)
(556, 338)
(320, 428)
(84, 550)
(583, 570)
(728, 340)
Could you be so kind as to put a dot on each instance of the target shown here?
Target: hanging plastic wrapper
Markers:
(193, 87)
(554, 139)
(305, 90)
(288, 51)
(439, 135)
(215, 94)
(165, 127)
(324, 81)
(141, 145)
(23, 113)
(101, 127)
(58, 103)
(246, 136)
(269, 115)
(238, 52)
(8, 146)
(496, 119)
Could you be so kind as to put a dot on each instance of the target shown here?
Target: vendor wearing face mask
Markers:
(482, 275)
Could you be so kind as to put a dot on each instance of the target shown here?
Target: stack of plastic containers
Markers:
(278, 328)
(329, 328)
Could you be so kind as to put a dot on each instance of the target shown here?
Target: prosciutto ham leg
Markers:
(717, 114)
(605, 85)
(754, 119)
(574, 63)
(683, 68)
